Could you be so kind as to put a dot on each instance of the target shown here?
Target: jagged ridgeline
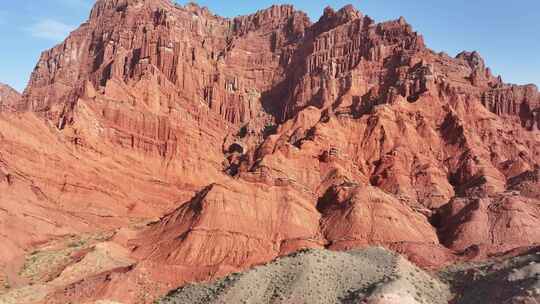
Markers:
(161, 145)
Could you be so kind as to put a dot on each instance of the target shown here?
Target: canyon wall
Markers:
(208, 145)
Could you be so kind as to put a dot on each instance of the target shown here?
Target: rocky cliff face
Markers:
(246, 139)
(8, 97)
(516, 101)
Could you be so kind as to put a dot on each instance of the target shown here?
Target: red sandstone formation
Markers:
(496, 224)
(8, 97)
(257, 136)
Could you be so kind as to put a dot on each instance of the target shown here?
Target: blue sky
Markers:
(507, 34)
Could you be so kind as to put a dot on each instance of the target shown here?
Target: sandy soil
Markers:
(317, 276)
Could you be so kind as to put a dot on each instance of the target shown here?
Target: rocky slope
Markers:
(8, 97)
(512, 278)
(371, 276)
(203, 146)
(364, 276)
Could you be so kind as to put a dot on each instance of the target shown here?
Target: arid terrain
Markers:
(161, 146)
(373, 276)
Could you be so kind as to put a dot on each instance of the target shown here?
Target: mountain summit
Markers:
(8, 97)
(161, 145)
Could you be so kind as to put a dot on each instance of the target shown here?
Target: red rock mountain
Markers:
(251, 138)
(8, 97)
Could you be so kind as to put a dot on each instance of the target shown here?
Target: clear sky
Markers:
(506, 33)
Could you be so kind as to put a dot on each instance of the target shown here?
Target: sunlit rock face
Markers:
(245, 139)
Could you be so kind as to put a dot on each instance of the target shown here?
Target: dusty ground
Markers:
(250, 139)
(317, 276)
(62, 262)
(373, 276)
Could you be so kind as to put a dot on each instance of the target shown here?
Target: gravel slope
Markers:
(514, 280)
(371, 275)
